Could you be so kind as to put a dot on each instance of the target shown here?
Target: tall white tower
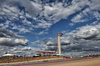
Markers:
(59, 46)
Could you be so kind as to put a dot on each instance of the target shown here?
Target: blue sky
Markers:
(27, 26)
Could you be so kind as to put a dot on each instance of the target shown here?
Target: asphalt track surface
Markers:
(69, 62)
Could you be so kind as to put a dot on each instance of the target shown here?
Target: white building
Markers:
(8, 55)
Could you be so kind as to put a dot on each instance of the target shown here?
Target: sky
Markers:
(27, 26)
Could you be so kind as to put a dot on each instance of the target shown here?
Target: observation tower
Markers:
(46, 53)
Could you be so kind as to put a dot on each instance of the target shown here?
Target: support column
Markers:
(59, 46)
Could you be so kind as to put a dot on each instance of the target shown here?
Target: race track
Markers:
(77, 62)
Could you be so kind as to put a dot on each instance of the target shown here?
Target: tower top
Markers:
(60, 34)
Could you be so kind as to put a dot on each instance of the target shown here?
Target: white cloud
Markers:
(88, 13)
(27, 49)
(78, 18)
(97, 15)
(88, 32)
(58, 11)
(41, 15)
(13, 42)
(43, 24)
(94, 5)
(83, 16)
(31, 7)
(85, 39)
(9, 38)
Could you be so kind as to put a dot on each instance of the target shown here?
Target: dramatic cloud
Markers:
(9, 38)
(88, 32)
(23, 51)
(85, 39)
(9, 33)
(39, 14)
(27, 49)
(89, 13)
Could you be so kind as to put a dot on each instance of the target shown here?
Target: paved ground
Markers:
(82, 62)
(69, 62)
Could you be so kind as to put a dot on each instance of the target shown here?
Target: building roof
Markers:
(8, 55)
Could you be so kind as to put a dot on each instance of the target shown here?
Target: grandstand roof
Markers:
(44, 51)
(8, 55)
